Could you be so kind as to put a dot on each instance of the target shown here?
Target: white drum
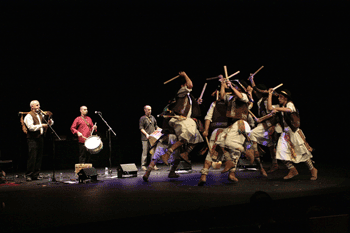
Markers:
(153, 137)
(93, 144)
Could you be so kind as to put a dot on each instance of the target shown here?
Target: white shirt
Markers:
(210, 112)
(28, 120)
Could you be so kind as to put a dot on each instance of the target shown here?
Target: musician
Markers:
(83, 127)
(292, 147)
(36, 126)
(184, 124)
(147, 125)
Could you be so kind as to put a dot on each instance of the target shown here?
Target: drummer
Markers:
(82, 127)
(147, 125)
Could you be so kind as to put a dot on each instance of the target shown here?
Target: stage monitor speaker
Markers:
(87, 173)
(127, 170)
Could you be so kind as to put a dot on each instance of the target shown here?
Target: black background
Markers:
(114, 56)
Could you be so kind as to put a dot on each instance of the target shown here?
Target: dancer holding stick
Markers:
(186, 127)
(228, 142)
(267, 122)
(292, 147)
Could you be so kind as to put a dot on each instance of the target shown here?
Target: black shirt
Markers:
(149, 124)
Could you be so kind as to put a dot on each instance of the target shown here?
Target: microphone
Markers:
(41, 112)
(98, 112)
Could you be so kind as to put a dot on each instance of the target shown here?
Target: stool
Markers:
(5, 165)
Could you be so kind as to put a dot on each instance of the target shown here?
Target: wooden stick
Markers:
(217, 77)
(252, 114)
(225, 69)
(277, 86)
(206, 138)
(255, 72)
(258, 70)
(205, 85)
(171, 79)
(233, 75)
(176, 116)
(237, 80)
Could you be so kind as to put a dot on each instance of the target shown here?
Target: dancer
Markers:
(228, 143)
(215, 119)
(292, 147)
(184, 123)
(264, 133)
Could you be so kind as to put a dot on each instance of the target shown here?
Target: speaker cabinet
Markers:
(87, 174)
(127, 170)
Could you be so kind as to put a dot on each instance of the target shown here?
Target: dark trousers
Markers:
(35, 156)
(84, 155)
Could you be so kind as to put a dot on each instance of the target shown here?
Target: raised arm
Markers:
(269, 100)
(225, 84)
(269, 104)
(189, 83)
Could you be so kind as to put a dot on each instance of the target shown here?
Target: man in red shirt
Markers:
(82, 126)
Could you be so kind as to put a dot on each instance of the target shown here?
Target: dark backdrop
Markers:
(114, 57)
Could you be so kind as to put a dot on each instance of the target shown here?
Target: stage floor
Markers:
(173, 205)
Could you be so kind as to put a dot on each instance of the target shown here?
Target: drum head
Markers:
(92, 142)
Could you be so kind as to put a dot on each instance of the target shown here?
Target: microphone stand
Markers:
(53, 146)
(109, 139)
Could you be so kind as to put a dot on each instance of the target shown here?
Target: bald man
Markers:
(147, 125)
(82, 126)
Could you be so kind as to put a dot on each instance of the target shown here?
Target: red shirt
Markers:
(80, 125)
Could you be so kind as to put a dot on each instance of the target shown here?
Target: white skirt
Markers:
(186, 129)
(261, 136)
(230, 138)
(283, 149)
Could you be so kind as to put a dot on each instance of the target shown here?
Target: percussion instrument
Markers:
(93, 144)
(80, 166)
(153, 137)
